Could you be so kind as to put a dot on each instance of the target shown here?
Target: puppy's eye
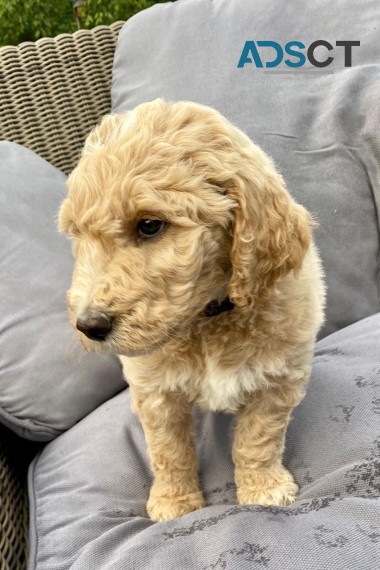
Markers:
(150, 228)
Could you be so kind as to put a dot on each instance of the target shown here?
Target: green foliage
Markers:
(24, 20)
(29, 20)
(96, 12)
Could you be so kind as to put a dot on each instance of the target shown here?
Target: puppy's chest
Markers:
(205, 380)
(215, 386)
(225, 389)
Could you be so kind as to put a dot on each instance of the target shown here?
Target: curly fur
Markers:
(232, 230)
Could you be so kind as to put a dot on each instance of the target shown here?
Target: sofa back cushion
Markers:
(321, 125)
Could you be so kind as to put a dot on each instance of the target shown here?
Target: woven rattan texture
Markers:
(13, 509)
(54, 91)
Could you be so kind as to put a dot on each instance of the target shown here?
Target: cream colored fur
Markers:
(232, 230)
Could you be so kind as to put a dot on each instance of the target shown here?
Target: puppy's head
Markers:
(171, 207)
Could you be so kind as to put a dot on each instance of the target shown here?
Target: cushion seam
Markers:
(32, 427)
(33, 536)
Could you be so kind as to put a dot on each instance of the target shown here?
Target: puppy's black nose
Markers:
(95, 327)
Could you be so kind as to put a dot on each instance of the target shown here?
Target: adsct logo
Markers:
(294, 52)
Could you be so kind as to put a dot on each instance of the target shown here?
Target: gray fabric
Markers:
(47, 382)
(88, 487)
(321, 129)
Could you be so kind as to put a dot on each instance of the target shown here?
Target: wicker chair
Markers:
(52, 93)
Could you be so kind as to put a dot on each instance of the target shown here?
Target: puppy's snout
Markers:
(95, 327)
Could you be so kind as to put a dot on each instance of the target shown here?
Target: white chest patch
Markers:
(226, 390)
(213, 388)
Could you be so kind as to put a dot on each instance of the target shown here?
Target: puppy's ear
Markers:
(65, 218)
(271, 233)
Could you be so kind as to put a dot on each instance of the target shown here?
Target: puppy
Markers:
(195, 265)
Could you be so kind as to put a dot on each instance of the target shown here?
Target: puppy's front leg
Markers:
(166, 419)
(261, 478)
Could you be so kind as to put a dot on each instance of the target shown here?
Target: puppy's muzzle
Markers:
(95, 327)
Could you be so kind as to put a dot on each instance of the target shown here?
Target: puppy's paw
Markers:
(267, 487)
(171, 507)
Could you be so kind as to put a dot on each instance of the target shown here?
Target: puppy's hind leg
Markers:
(166, 420)
(258, 446)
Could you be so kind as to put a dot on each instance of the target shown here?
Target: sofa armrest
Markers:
(54, 91)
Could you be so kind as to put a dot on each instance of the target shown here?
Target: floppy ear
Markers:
(271, 233)
(65, 217)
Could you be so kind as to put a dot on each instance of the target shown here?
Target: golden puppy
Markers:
(195, 265)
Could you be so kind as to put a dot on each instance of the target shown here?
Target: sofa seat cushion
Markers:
(88, 488)
(320, 125)
(47, 381)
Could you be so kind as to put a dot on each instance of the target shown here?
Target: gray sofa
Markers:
(89, 485)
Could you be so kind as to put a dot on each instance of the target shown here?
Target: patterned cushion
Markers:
(89, 487)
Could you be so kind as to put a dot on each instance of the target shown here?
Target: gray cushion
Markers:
(88, 487)
(47, 382)
(322, 129)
